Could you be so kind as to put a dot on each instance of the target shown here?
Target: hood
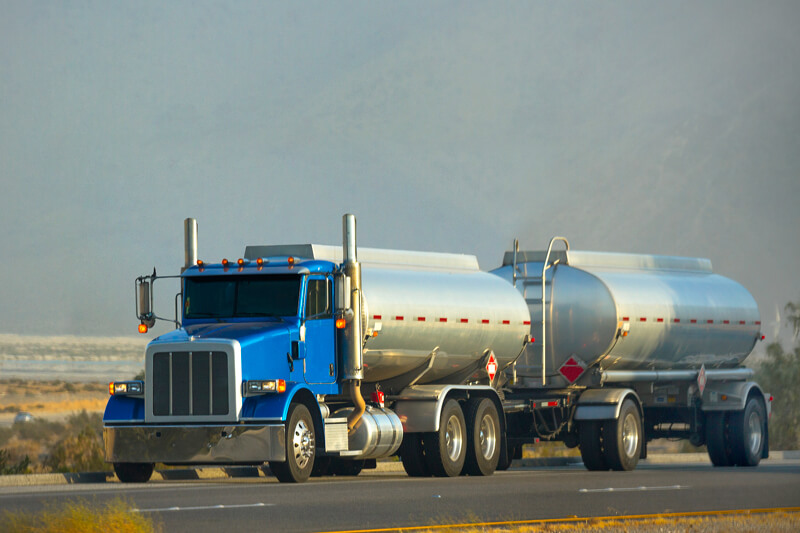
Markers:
(244, 332)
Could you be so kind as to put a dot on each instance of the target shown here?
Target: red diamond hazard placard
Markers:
(701, 379)
(491, 367)
(572, 369)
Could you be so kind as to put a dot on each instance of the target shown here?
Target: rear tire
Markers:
(746, 433)
(412, 453)
(446, 449)
(300, 447)
(483, 437)
(622, 438)
(133, 472)
(717, 438)
(590, 435)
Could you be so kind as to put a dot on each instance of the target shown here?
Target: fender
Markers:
(604, 404)
(420, 407)
(731, 395)
(272, 406)
(122, 409)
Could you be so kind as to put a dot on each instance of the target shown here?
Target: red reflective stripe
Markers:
(485, 321)
(643, 319)
(442, 320)
(399, 317)
(677, 320)
(526, 322)
(626, 319)
(464, 320)
(758, 322)
(710, 321)
(420, 319)
(660, 320)
(506, 322)
(693, 321)
(741, 322)
(726, 321)
(376, 317)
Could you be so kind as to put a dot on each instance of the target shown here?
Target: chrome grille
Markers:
(190, 383)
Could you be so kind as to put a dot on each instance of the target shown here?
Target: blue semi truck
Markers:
(321, 359)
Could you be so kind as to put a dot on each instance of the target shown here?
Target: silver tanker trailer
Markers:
(322, 359)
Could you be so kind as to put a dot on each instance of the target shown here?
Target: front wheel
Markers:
(133, 472)
(300, 447)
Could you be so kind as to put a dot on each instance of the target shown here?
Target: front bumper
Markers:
(195, 444)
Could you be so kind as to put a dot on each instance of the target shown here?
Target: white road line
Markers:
(636, 489)
(203, 508)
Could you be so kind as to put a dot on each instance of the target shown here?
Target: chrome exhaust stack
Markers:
(189, 243)
(351, 338)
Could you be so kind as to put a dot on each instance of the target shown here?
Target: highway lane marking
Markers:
(203, 508)
(636, 489)
(578, 520)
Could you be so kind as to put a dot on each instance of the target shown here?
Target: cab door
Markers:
(320, 359)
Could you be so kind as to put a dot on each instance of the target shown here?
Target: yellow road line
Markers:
(578, 520)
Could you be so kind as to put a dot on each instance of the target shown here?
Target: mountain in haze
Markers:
(659, 128)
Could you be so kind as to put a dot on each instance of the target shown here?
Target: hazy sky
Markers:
(659, 127)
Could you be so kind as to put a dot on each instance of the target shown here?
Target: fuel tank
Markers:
(628, 312)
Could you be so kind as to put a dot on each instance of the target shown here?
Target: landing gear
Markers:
(300, 447)
(133, 472)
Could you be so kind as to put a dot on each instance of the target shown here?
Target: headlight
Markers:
(256, 387)
(126, 388)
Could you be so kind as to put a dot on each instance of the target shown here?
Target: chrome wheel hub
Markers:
(754, 435)
(454, 438)
(302, 444)
(630, 435)
(488, 437)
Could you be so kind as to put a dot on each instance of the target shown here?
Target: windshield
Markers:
(241, 296)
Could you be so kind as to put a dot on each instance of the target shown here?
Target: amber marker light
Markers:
(142, 328)
(290, 260)
(340, 323)
(111, 388)
(240, 262)
(225, 262)
(200, 263)
(260, 261)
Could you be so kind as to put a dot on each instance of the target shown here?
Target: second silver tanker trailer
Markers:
(319, 359)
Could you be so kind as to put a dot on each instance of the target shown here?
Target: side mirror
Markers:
(342, 292)
(144, 310)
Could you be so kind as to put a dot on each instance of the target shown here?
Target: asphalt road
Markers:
(387, 500)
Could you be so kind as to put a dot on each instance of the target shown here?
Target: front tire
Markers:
(300, 447)
(446, 449)
(483, 438)
(133, 472)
